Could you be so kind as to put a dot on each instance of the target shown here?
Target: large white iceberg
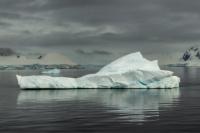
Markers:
(130, 71)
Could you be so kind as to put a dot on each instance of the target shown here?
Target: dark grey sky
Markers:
(96, 31)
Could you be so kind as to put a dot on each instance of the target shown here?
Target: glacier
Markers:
(130, 71)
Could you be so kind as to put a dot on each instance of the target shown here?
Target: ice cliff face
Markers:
(130, 71)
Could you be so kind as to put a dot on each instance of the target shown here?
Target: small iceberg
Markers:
(130, 71)
(53, 71)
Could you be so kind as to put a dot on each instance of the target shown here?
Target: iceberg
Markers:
(130, 71)
(53, 71)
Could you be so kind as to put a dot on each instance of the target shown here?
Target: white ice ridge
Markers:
(130, 71)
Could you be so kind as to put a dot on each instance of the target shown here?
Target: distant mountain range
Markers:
(7, 52)
(10, 57)
(12, 60)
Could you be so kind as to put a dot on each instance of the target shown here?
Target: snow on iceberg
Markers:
(130, 71)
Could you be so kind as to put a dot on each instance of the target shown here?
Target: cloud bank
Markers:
(154, 27)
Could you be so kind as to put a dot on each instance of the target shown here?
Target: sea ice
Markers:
(130, 71)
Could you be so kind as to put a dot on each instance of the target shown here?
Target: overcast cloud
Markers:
(105, 29)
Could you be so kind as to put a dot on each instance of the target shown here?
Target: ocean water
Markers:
(100, 110)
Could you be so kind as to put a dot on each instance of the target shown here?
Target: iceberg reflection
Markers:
(131, 104)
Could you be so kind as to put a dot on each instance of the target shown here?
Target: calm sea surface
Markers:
(100, 110)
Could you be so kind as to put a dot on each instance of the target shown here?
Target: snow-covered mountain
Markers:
(191, 57)
(191, 54)
(9, 56)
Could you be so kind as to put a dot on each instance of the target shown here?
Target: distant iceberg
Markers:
(130, 71)
(53, 71)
